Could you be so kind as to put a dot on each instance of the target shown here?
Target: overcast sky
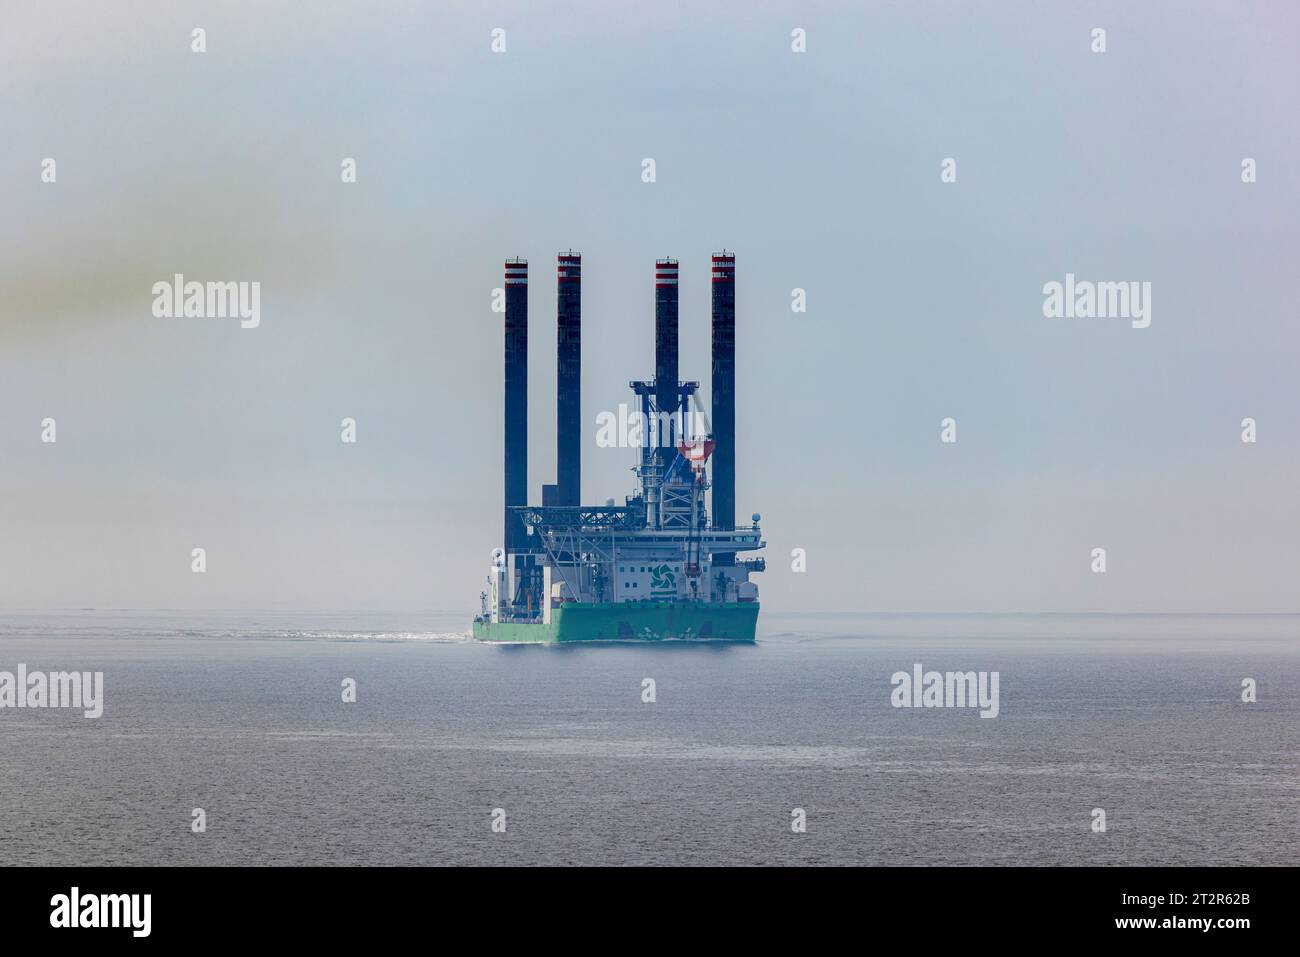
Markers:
(821, 170)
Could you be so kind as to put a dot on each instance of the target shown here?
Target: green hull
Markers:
(633, 621)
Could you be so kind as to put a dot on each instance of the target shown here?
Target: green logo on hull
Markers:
(663, 580)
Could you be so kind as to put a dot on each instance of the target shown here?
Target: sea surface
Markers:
(242, 716)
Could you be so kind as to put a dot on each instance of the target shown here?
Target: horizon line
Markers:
(768, 612)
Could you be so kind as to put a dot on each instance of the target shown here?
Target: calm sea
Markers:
(243, 717)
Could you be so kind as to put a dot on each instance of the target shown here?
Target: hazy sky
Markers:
(820, 170)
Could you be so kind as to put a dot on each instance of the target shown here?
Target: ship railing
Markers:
(580, 516)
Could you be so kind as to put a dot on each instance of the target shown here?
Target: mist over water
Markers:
(241, 715)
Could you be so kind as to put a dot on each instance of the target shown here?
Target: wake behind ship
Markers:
(658, 567)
